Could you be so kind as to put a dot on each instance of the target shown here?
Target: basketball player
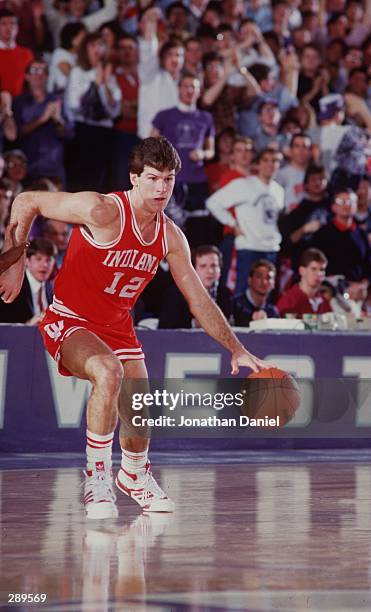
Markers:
(114, 251)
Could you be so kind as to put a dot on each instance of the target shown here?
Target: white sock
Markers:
(98, 451)
(133, 462)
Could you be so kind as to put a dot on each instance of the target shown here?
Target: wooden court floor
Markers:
(258, 536)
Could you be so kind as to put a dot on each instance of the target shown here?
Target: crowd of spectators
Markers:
(268, 103)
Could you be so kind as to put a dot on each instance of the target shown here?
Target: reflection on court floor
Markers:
(258, 536)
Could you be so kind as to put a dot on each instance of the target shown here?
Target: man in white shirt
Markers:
(37, 290)
(291, 176)
(331, 129)
(257, 202)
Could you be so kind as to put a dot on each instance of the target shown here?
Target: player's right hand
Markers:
(243, 358)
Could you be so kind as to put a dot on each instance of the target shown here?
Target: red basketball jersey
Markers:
(101, 282)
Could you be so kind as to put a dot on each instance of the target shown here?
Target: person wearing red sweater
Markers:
(14, 59)
(304, 297)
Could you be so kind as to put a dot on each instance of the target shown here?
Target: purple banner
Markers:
(43, 411)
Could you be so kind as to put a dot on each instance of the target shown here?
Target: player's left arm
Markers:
(202, 306)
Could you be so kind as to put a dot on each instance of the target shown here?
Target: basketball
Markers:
(271, 394)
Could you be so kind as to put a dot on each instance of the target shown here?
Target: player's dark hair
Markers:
(156, 153)
(43, 246)
(206, 249)
(312, 255)
(262, 263)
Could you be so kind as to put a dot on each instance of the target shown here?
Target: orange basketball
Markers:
(271, 394)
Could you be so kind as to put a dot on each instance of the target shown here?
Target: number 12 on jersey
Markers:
(129, 290)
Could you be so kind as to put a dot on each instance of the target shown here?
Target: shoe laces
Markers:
(101, 485)
(149, 484)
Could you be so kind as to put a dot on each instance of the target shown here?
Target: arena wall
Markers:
(43, 411)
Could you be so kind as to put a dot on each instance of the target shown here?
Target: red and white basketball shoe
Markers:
(99, 498)
(143, 488)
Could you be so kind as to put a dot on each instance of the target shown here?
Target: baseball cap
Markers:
(266, 100)
(330, 105)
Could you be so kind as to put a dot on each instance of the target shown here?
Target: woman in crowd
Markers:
(63, 58)
(93, 100)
